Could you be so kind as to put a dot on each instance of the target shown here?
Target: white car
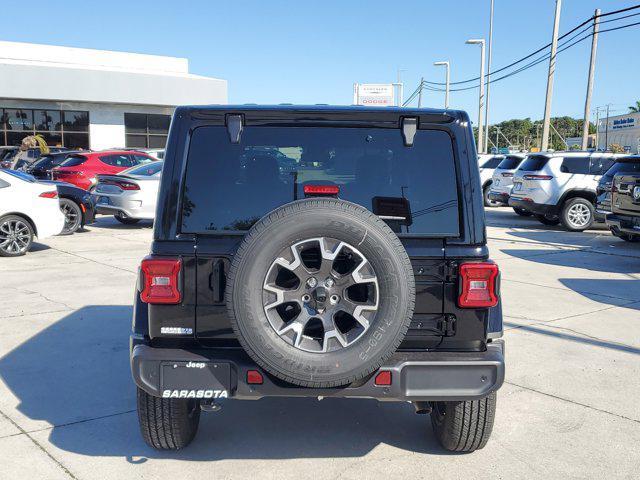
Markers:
(131, 195)
(502, 180)
(487, 163)
(27, 209)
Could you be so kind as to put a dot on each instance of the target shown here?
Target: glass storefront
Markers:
(144, 130)
(59, 128)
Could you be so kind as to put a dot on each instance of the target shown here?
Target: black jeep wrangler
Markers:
(624, 219)
(318, 252)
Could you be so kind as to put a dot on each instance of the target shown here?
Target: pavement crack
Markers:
(68, 424)
(41, 447)
(33, 292)
(93, 261)
(573, 402)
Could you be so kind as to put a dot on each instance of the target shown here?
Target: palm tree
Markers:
(635, 108)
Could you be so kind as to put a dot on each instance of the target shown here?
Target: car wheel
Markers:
(167, 423)
(16, 236)
(72, 216)
(522, 212)
(122, 218)
(551, 221)
(464, 426)
(320, 292)
(577, 214)
(628, 237)
(487, 201)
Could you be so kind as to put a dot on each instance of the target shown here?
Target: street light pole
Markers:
(486, 111)
(446, 88)
(481, 133)
(592, 68)
(552, 68)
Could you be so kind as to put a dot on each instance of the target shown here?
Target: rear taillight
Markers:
(51, 194)
(507, 174)
(478, 285)
(128, 185)
(538, 177)
(160, 278)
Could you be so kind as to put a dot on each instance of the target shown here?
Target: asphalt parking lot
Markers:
(569, 407)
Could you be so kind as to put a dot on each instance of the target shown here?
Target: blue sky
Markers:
(313, 51)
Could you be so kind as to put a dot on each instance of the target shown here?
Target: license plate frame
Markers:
(200, 380)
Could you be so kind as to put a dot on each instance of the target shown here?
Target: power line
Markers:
(577, 27)
(565, 46)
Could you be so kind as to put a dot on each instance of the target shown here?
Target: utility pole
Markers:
(481, 133)
(497, 133)
(606, 130)
(400, 89)
(486, 111)
(592, 69)
(597, 127)
(446, 88)
(552, 68)
(420, 92)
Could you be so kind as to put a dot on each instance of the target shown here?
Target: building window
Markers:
(59, 128)
(144, 130)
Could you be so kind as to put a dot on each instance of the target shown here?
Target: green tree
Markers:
(635, 108)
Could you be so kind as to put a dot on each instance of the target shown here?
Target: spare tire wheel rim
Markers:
(320, 294)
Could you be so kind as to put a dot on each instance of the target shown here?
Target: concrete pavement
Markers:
(569, 408)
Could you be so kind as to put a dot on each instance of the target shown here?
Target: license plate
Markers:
(104, 200)
(199, 380)
(497, 182)
(517, 187)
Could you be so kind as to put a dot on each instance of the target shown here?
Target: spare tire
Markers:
(320, 292)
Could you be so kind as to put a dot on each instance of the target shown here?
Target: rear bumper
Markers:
(623, 223)
(499, 197)
(535, 208)
(416, 376)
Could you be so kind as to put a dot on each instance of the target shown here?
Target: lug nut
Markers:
(334, 299)
(306, 298)
(329, 282)
(312, 282)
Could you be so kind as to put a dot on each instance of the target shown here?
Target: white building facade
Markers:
(97, 99)
(623, 130)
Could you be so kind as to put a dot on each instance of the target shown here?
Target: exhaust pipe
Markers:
(422, 408)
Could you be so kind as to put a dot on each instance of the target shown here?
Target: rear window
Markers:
(146, 169)
(74, 161)
(228, 187)
(600, 164)
(493, 162)
(575, 165)
(510, 163)
(533, 163)
(623, 167)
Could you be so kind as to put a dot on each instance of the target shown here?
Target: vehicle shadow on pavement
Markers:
(75, 376)
(110, 223)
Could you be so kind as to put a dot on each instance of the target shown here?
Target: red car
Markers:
(81, 169)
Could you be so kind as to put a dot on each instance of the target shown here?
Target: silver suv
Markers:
(560, 187)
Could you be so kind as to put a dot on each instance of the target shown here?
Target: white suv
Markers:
(502, 181)
(487, 164)
(560, 187)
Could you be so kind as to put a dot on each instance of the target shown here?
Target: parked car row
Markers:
(574, 188)
(122, 183)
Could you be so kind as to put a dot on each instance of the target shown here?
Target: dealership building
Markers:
(97, 99)
(623, 130)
